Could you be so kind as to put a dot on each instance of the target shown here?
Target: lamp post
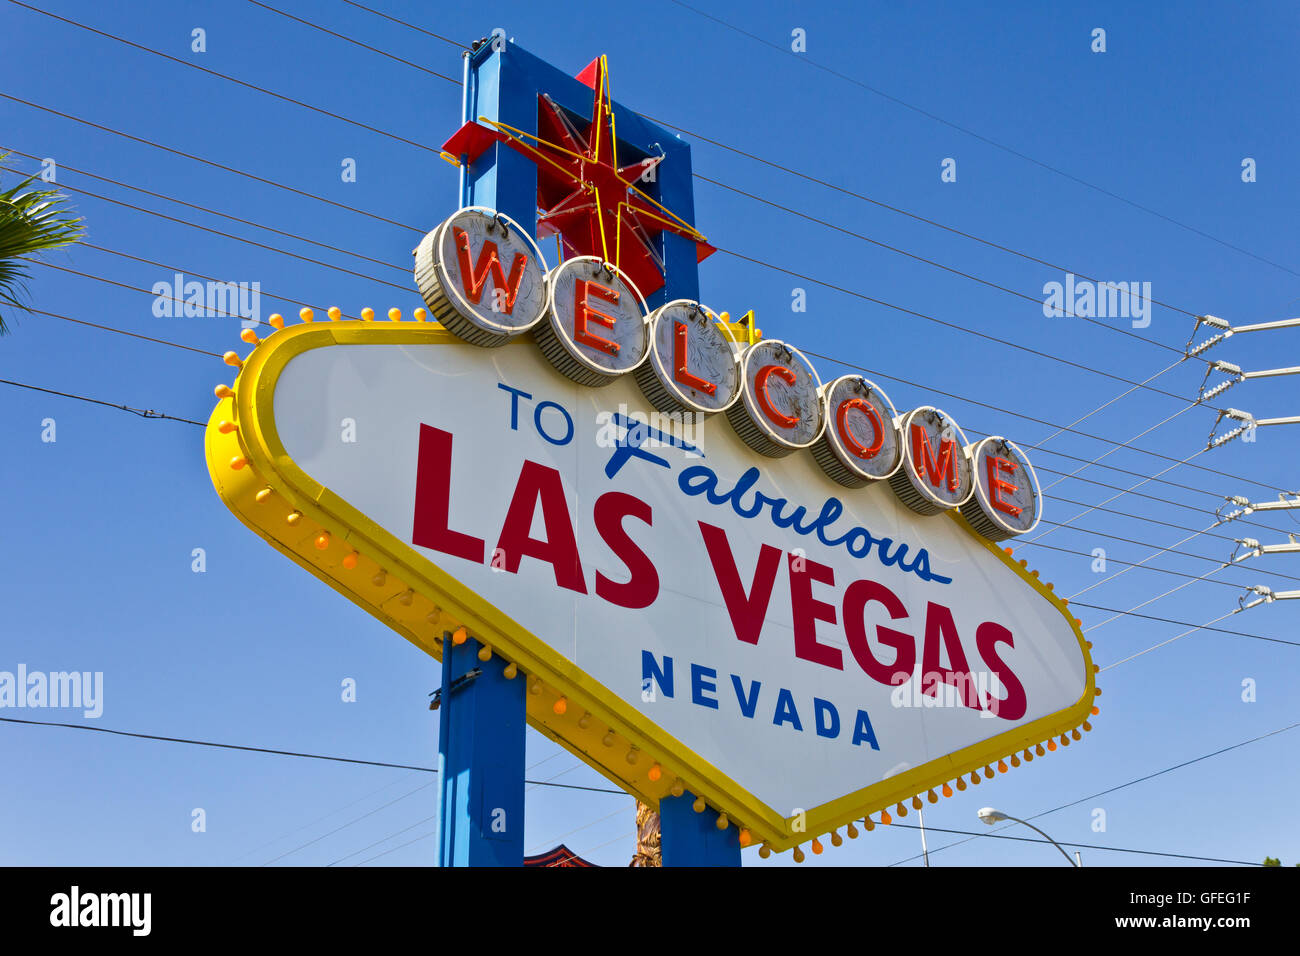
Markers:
(992, 816)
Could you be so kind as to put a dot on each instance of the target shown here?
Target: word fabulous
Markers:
(484, 278)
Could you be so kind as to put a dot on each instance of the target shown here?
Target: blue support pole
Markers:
(688, 838)
(502, 178)
(480, 760)
(481, 740)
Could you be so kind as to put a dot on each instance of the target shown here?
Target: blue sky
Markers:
(100, 525)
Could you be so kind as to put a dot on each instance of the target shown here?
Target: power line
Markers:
(956, 326)
(751, 259)
(1104, 405)
(1167, 620)
(1144, 567)
(830, 358)
(1176, 637)
(422, 836)
(384, 840)
(232, 79)
(369, 813)
(818, 355)
(243, 239)
(348, 39)
(849, 364)
(857, 195)
(215, 165)
(554, 840)
(63, 167)
(984, 139)
(134, 335)
(1122, 786)
(1030, 418)
(149, 292)
(1064, 550)
(601, 846)
(1159, 597)
(282, 753)
(939, 265)
(1125, 514)
(1106, 454)
(1031, 542)
(160, 415)
(1144, 544)
(404, 23)
(1143, 562)
(814, 354)
(758, 261)
(1084, 846)
(322, 819)
(142, 412)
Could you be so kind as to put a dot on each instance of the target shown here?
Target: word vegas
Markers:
(485, 279)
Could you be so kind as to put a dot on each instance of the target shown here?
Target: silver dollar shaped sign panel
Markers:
(692, 365)
(780, 410)
(596, 327)
(1006, 499)
(860, 444)
(936, 472)
(482, 276)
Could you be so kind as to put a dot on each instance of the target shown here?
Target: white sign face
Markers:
(779, 635)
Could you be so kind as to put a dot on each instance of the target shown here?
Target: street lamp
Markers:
(992, 816)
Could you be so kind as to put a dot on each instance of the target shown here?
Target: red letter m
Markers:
(936, 467)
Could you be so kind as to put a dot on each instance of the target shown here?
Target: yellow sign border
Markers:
(320, 531)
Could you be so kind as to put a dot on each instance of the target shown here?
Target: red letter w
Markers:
(474, 278)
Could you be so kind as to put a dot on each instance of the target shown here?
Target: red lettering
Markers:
(856, 598)
(747, 610)
(997, 487)
(680, 371)
(765, 400)
(807, 611)
(842, 423)
(583, 313)
(941, 635)
(473, 279)
(936, 467)
(433, 500)
(537, 483)
(642, 587)
(1013, 706)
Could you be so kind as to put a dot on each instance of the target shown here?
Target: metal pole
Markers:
(1049, 839)
(925, 850)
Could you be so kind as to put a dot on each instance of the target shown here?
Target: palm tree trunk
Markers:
(648, 852)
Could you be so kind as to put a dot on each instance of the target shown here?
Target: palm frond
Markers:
(32, 221)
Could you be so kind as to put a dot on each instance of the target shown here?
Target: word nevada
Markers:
(484, 278)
